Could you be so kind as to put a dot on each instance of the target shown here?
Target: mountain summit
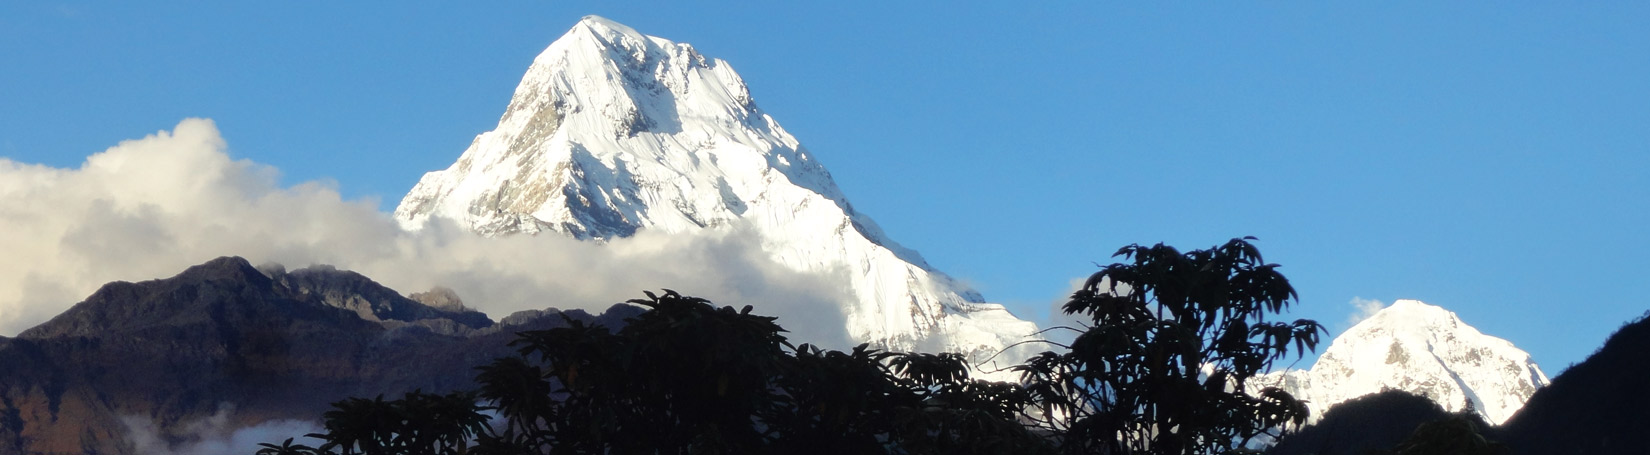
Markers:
(611, 132)
(1421, 349)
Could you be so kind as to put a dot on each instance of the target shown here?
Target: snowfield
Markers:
(611, 132)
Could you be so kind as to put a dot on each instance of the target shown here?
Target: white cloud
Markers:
(213, 435)
(148, 208)
(1362, 309)
(1059, 324)
(1057, 317)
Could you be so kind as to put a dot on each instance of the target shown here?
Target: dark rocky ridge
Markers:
(274, 344)
(1599, 406)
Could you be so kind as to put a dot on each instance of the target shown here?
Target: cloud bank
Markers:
(150, 207)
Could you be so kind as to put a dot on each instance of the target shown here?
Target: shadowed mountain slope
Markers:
(1599, 406)
(274, 345)
(1369, 424)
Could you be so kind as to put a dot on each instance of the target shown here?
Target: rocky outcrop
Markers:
(376, 303)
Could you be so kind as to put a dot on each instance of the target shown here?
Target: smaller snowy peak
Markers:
(1422, 349)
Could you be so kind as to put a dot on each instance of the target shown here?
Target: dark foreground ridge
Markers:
(1598, 406)
(273, 344)
(1362, 425)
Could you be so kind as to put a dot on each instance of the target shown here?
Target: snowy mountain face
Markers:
(612, 132)
(1421, 349)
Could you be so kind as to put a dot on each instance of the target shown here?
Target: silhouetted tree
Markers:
(417, 424)
(688, 377)
(285, 448)
(1170, 342)
(683, 375)
(1457, 435)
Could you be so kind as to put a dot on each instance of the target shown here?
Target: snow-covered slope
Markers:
(612, 131)
(1422, 349)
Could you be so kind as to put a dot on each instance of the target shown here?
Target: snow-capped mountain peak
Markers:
(611, 131)
(1423, 349)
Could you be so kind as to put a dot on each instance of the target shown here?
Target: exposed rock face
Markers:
(611, 132)
(373, 302)
(440, 298)
(281, 345)
(1421, 349)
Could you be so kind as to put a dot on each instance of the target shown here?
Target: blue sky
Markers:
(1489, 158)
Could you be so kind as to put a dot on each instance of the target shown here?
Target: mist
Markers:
(213, 435)
(149, 208)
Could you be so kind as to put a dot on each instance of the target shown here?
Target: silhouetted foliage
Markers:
(1171, 340)
(285, 448)
(1460, 434)
(688, 377)
(1161, 369)
(417, 424)
(683, 375)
